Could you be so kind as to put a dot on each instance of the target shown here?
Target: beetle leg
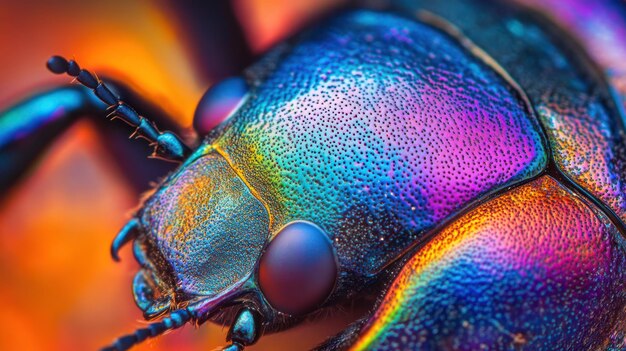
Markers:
(244, 331)
(29, 127)
(167, 145)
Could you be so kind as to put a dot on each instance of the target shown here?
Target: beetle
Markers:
(358, 147)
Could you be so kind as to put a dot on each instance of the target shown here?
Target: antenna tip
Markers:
(57, 64)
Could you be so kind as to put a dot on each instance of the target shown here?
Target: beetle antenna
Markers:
(166, 144)
(175, 320)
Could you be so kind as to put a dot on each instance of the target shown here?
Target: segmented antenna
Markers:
(175, 320)
(166, 144)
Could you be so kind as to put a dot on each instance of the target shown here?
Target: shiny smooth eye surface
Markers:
(218, 103)
(298, 270)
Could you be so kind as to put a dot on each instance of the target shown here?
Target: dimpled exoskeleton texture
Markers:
(191, 227)
(583, 126)
(537, 268)
(377, 128)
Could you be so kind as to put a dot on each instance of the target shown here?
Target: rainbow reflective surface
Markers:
(52, 302)
(574, 105)
(374, 127)
(536, 268)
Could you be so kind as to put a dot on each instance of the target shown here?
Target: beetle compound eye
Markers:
(218, 103)
(298, 270)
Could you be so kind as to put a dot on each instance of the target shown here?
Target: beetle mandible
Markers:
(377, 139)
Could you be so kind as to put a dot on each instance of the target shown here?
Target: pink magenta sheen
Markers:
(218, 103)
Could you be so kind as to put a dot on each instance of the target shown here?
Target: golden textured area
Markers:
(208, 226)
(582, 143)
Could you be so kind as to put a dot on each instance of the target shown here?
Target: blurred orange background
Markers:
(60, 289)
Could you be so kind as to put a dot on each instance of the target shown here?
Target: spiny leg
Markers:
(28, 128)
(167, 145)
(130, 156)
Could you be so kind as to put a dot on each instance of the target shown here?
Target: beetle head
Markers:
(203, 242)
(202, 234)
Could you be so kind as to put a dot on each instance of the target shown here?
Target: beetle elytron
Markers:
(468, 153)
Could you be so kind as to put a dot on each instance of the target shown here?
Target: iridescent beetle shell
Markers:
(376, 152)
(367, 139)
(539, 267)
